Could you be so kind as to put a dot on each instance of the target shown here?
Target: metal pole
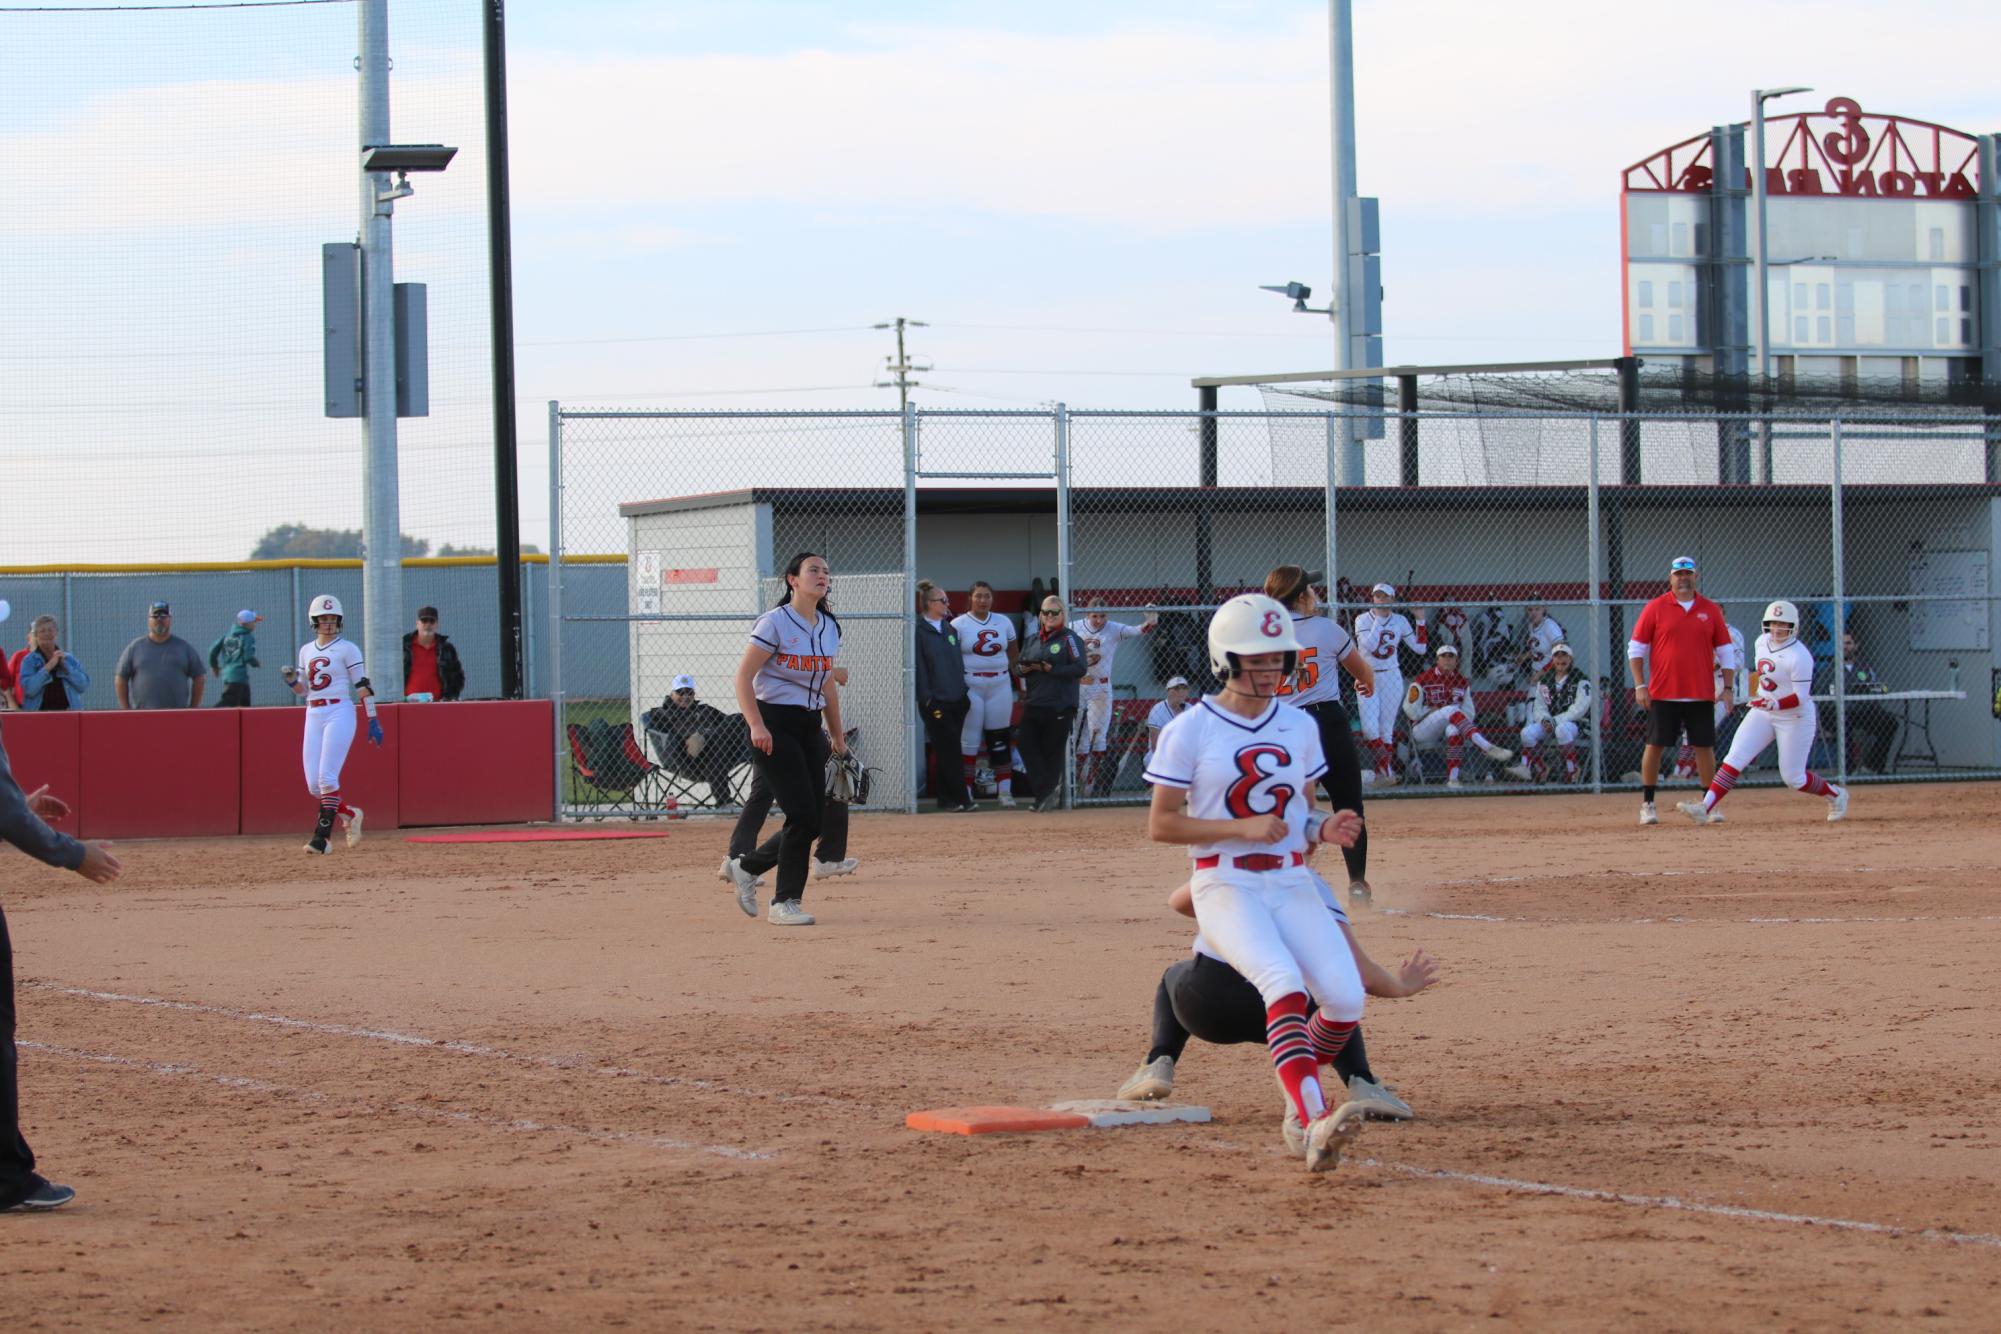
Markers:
(1333, 545)
(1063, 555)
(913, 731)
(69, 610)
(1761, 322)
(1205, 519)
(500, 299)
(297, 599)
(381, 523)
(1840, 614)
(1407, 427)
(1593, 539)
(1341, 108)
(1628, 371)
(557, 707)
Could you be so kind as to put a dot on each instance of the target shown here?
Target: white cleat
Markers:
(1006, 800)
(789, 912)
(828, 870)
(1151, 1082)
(1454, 782)
(1379, 1100)
(354, 826)
(1648, 815)
(1520, 771)
(1693, 810)
(1837, 805)
(746, 886)
(1716, 815)
(1329, 1137)
(1294, 1134)
(1387, 778)
(1498, 754)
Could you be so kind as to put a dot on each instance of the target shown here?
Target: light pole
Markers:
(1761, 326)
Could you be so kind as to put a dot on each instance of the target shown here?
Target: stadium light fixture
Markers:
(1298, 294)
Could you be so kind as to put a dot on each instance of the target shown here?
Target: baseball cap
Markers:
(1385, 588)
(684, 682)
(1682, 563)
(1447, 647)
(160, 609)
(1561, 648)
(427, 613)
(247, 617)
(1172, 681)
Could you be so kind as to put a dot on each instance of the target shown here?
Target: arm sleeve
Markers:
(215, 656)
(1581, 706)
(1071, 666)
(923, 665)
(125, 669)
(1316, 761)
(1419, 638)
(354, 665)
(34, 673)
(1171, 764)
(26, 831)
(1643, 633)
(764, 634)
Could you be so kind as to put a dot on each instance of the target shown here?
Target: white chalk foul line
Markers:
(1675, 921)
(1688, 1206)
(517, 1125)
(419, 1041)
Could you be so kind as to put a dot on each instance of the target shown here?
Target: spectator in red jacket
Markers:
(1679, 644)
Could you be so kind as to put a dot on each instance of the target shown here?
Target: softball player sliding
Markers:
(328, 665)
(1782, 710)
(1233, 780)
(1382, 634)
(987, 648)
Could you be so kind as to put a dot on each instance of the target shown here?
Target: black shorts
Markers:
(1667, 718)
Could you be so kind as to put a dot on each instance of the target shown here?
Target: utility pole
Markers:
(902, 366)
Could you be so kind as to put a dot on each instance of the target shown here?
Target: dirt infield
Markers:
(1673, 1078)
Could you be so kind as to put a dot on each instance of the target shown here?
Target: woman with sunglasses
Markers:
(784, 685)
(1050, 665)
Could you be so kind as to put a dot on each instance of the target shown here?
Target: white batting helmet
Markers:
(326, 604)
(1246, 625)
(1782, 611)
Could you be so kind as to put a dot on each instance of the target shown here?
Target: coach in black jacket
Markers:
(941, 695)
(1051, 664)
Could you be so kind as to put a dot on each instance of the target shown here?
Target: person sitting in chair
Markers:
(697, 740)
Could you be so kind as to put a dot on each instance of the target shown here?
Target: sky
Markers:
(714, 200)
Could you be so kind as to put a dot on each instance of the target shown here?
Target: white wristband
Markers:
(369, 705)
(1314, 823)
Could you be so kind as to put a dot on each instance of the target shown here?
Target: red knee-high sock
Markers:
(1719, 787)
(1455, 754)
(1570, 762)
(972, 766)
(1292, 1056)
(1381, 750)
(1816, 786)
(1327, 1036)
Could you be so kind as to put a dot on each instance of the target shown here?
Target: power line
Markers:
(140, 9)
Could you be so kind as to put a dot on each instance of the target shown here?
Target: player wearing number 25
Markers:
(1678, 645)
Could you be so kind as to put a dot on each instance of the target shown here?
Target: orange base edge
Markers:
(993, 1120)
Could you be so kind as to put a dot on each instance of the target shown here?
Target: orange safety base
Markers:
(994, 1120)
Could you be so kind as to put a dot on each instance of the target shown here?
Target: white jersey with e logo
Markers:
(983, 643)
(1784, 674)
(1381, 634)
(1234, 768)
(328, 671)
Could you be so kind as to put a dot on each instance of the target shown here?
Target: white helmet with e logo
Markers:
(326, 604)
(1785, 613)
(1247, 625)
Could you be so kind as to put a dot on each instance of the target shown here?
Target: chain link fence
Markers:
(1504, 534)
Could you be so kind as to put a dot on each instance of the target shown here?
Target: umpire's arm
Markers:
(26, 831)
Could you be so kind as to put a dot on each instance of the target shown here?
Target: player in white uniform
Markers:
(1782, 710)
(1165, 712)
(1233, 780)
(988, 646)
(328, 667)
(1540, 634)
(1563, 702)
(1738, 696)
(1440, 708)
(1102, 638)
(1382, 633)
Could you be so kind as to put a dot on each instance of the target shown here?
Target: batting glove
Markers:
(375, 731)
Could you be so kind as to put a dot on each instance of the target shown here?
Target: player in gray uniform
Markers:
(1316, 688)
(783, 685)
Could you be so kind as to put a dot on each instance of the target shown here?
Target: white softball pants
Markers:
(1440, 725)
(1094, 718)
(1272, 927)
(992, 709)
(1793, 731)
(1564, 730)
(329, 732)
(1379, 711)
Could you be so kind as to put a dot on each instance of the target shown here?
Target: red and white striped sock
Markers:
(1816, 786)
(1292, 1056)
(1327, 1036)
(1570, 763)
(1455, 755)
(1726, 778)
(972, 767)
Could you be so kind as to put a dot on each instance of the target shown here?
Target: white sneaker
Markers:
(789, 912)
(1151, 1082)
(1388, 779)
(1716, 815)
(1837, 805)
(827, 870)
(746, 886)
(1329, 1137)
(1454, 782)
(354, 826)
(1007, 801)
(1647, 813)
(723, 871)
(1359, 891)
(1368, 778)
(1693, 810)
(1294, 1133)
(1379, 1100)
(1520, 771)
(1498, 754)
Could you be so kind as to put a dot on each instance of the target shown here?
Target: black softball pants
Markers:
(1343, 780)
(17, 1160)
(942, 722)
(833, 844)
(796, 773)
(1045, 746)
(1206, 998)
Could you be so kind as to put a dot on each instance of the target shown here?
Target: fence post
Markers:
(1333, 548)
(297, 638)
(69, 611)
(1596, 593)
(557, 708)
(527, 635)
(1840, 616)
(913, 733)
(1069, 587)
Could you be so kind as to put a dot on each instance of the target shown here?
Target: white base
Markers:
(1117, 1112)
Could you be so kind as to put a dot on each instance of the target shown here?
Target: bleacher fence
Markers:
(1885, 526)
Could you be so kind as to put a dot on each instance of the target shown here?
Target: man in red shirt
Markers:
(431, 667)
(1679, 645)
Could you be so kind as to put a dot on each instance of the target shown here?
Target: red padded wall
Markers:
(153, 773)
(483, 762)
(275, 800)
(47, 748)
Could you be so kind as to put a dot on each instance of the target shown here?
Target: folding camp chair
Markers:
(594, 776)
